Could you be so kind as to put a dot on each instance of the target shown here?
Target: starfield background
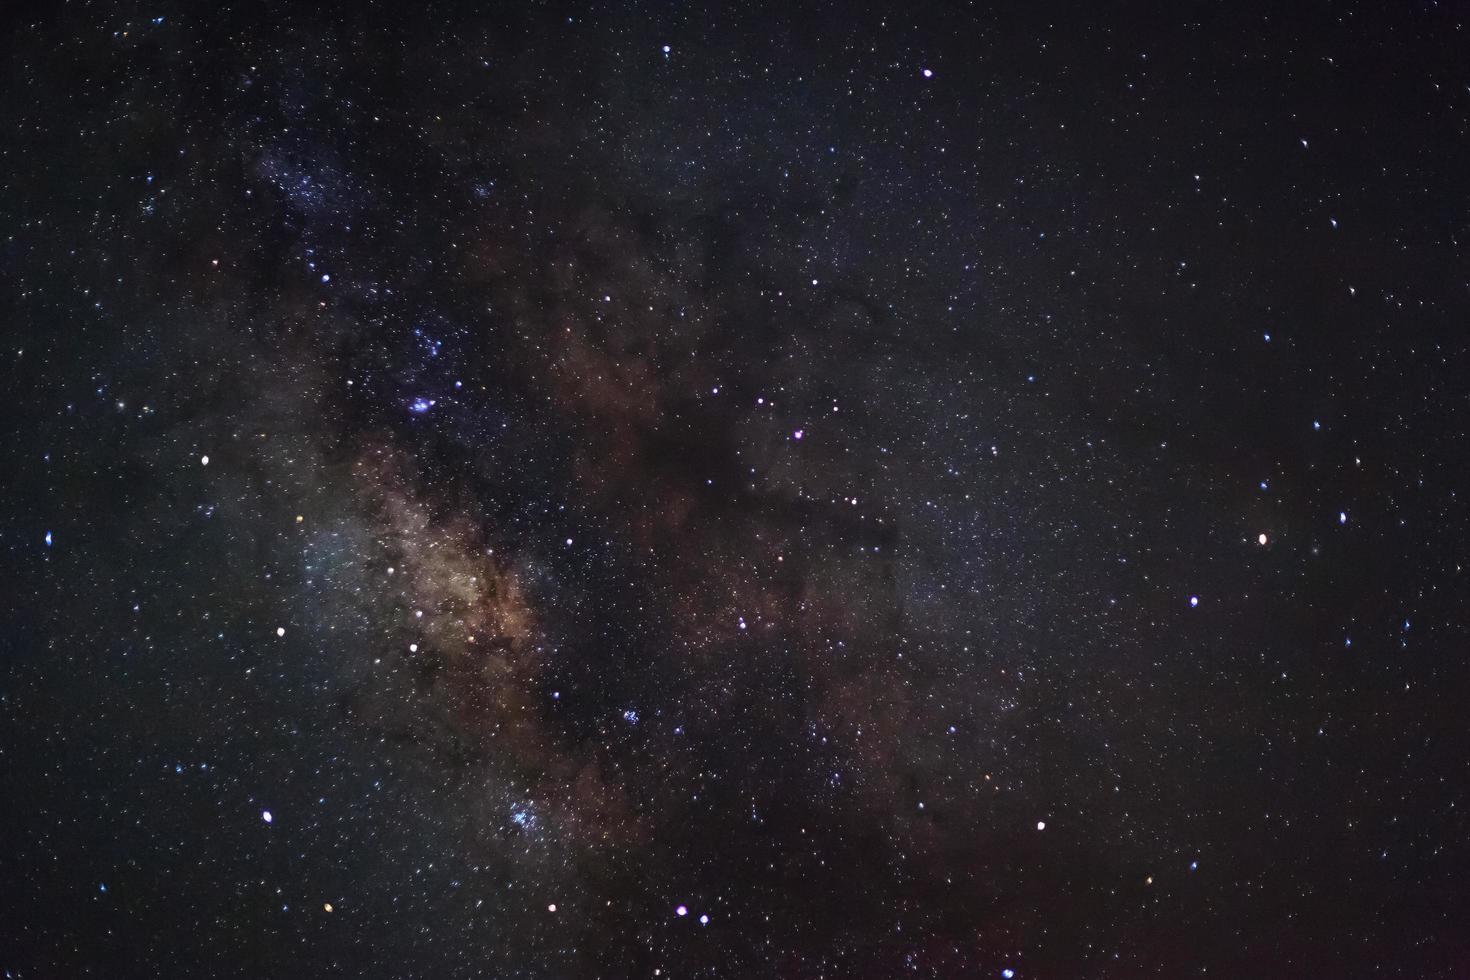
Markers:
(673, 490)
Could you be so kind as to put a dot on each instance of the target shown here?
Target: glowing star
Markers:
(266, 816)
(551, 907)
(704, 920)
(798, 434)
(421, 405)
(48, 539)
(1261, 539)
(1193, 601)
(1008, 973)
(1041, 825)
(928, 73)
(280, 631)
(681, 911)
(203, 460)
(1342, 517)
(326, 906)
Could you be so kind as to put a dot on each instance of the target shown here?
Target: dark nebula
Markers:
(799, 491)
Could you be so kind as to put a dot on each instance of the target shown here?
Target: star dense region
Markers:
(647, 490)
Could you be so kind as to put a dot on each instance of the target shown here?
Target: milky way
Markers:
(661, 491)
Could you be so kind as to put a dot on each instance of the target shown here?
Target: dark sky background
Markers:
(800, 491)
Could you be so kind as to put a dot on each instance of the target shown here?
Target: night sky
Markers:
(794, 491)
